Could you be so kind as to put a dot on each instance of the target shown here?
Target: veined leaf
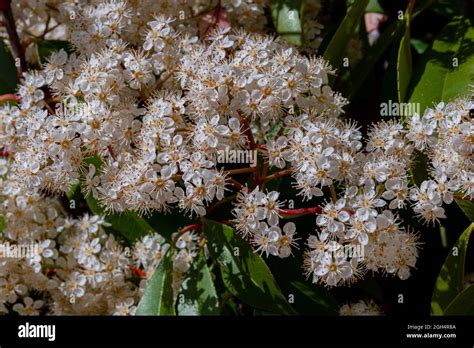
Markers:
(243, 271)
(447, 68)
(451, 278)
(158, 296)
(288, 18)
(198, 295)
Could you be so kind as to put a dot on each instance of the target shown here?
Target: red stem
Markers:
(305, 211)
(237, 184)
(300, 211)
(280, 132)
(193, 227)
(264, 169)
(464, 198)
(248, 132)
(257, 180)
(9, 97)
(277, 175)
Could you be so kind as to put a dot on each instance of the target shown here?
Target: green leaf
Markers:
(467, 206)
(198, 295)
(95, 160)
(320, 300)
(287, 17)
(47, 47)
(338, 44)
(375, 6)
(128, 224)
(435, 78)
(463, 304)
(451, 278)
(74, 191)
(3, 223)
(9, 75)
(404, 67)
(404, 60)
(419, 45)
(158, 296)
(243, 271)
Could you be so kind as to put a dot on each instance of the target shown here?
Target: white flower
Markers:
(333, 217)
(30, 307)
(333, 270)
(397, 191)
(275, 152)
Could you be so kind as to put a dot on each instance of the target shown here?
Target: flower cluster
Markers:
(445, 134)
(138, 116)
(35, 17)
(257, 217)
(76, 268)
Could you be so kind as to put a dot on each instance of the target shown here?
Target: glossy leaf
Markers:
(198, 295)
(243, 271)
(451, 278)
(158, 296)
(447, 69)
